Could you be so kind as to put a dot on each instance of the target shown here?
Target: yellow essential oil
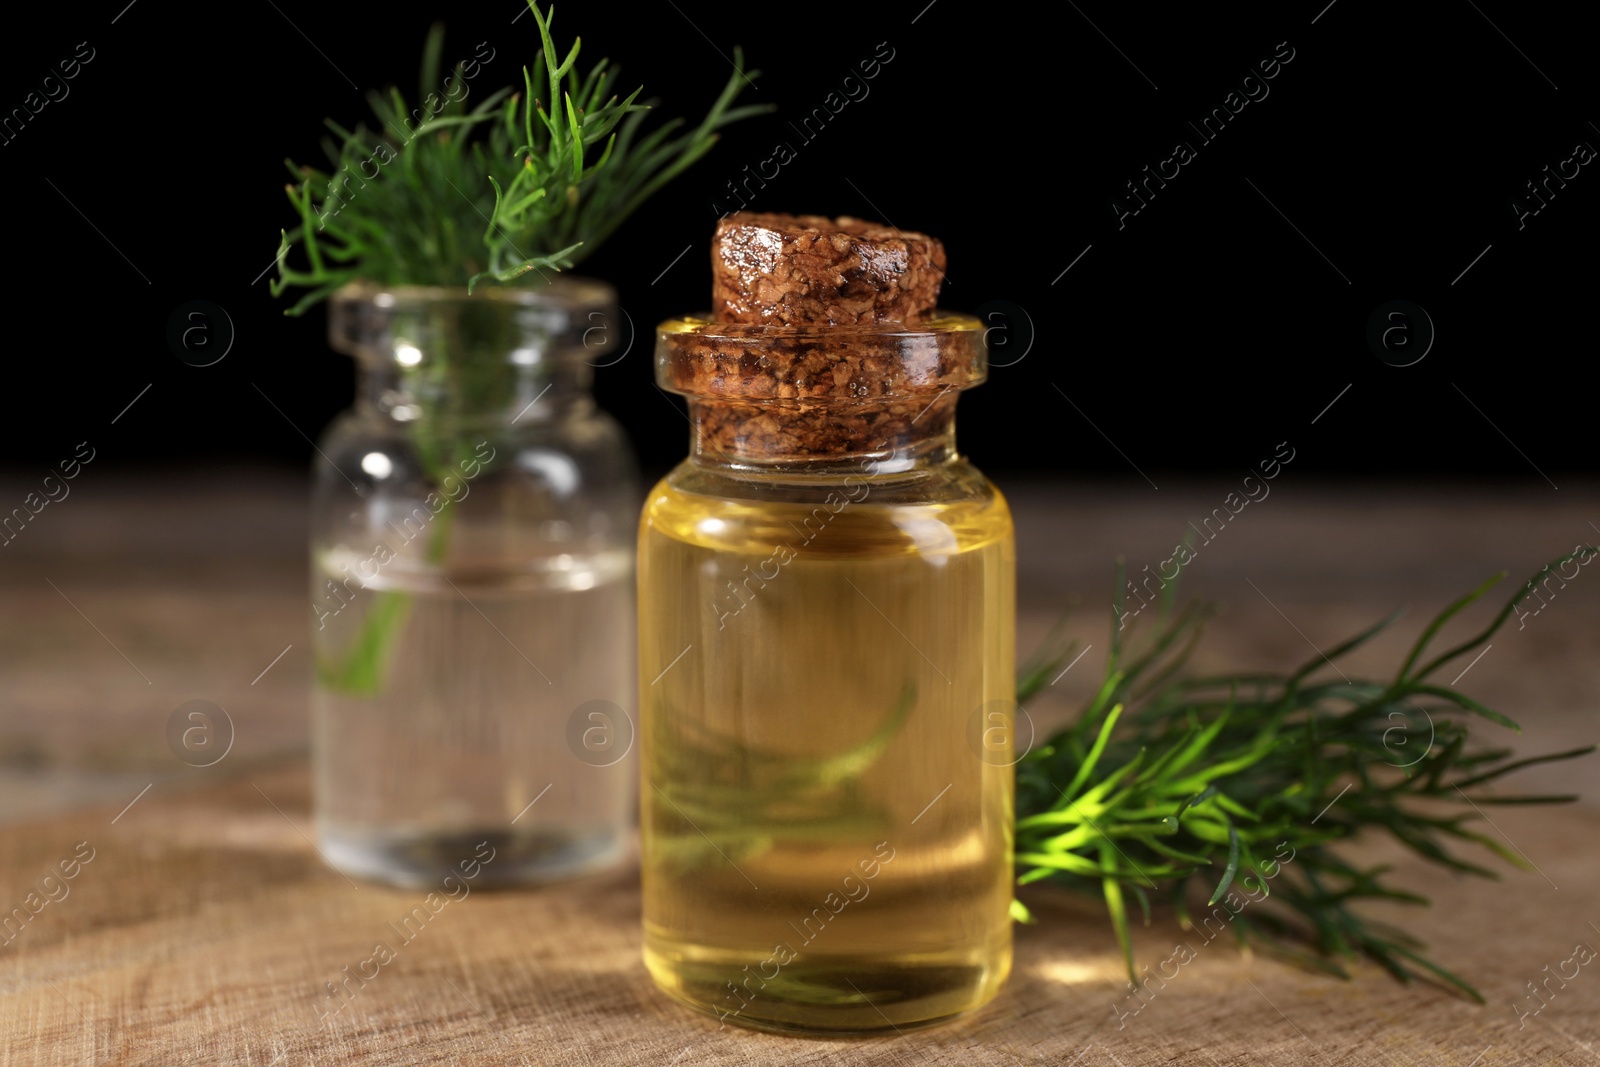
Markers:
(826, 806)
(826, 665)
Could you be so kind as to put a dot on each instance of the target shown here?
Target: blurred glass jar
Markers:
(472, 589)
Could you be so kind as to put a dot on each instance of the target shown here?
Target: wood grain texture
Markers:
(205, 927)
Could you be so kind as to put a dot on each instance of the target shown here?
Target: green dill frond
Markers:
(468, 188)
(1238, 791)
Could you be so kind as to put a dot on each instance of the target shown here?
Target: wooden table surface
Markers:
(202, 926)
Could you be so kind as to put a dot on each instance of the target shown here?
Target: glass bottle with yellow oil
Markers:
(826, 637)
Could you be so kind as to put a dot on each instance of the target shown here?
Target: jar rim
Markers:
(861, 363)
(563, 289)
(552, 320)
(941, 323)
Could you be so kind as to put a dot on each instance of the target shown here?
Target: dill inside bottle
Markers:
(826, 647)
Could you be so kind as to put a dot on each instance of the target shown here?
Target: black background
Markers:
(1195, 337)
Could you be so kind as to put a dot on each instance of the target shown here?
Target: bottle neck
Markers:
(507, 356)
(822, 437)
(475, 388)
(812, 398)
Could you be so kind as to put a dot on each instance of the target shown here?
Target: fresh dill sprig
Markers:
(1190, 786)
(518, 182)
(454, 195)
(729, 800)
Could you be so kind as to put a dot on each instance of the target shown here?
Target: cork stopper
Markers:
(824, 341)
(798, 269)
